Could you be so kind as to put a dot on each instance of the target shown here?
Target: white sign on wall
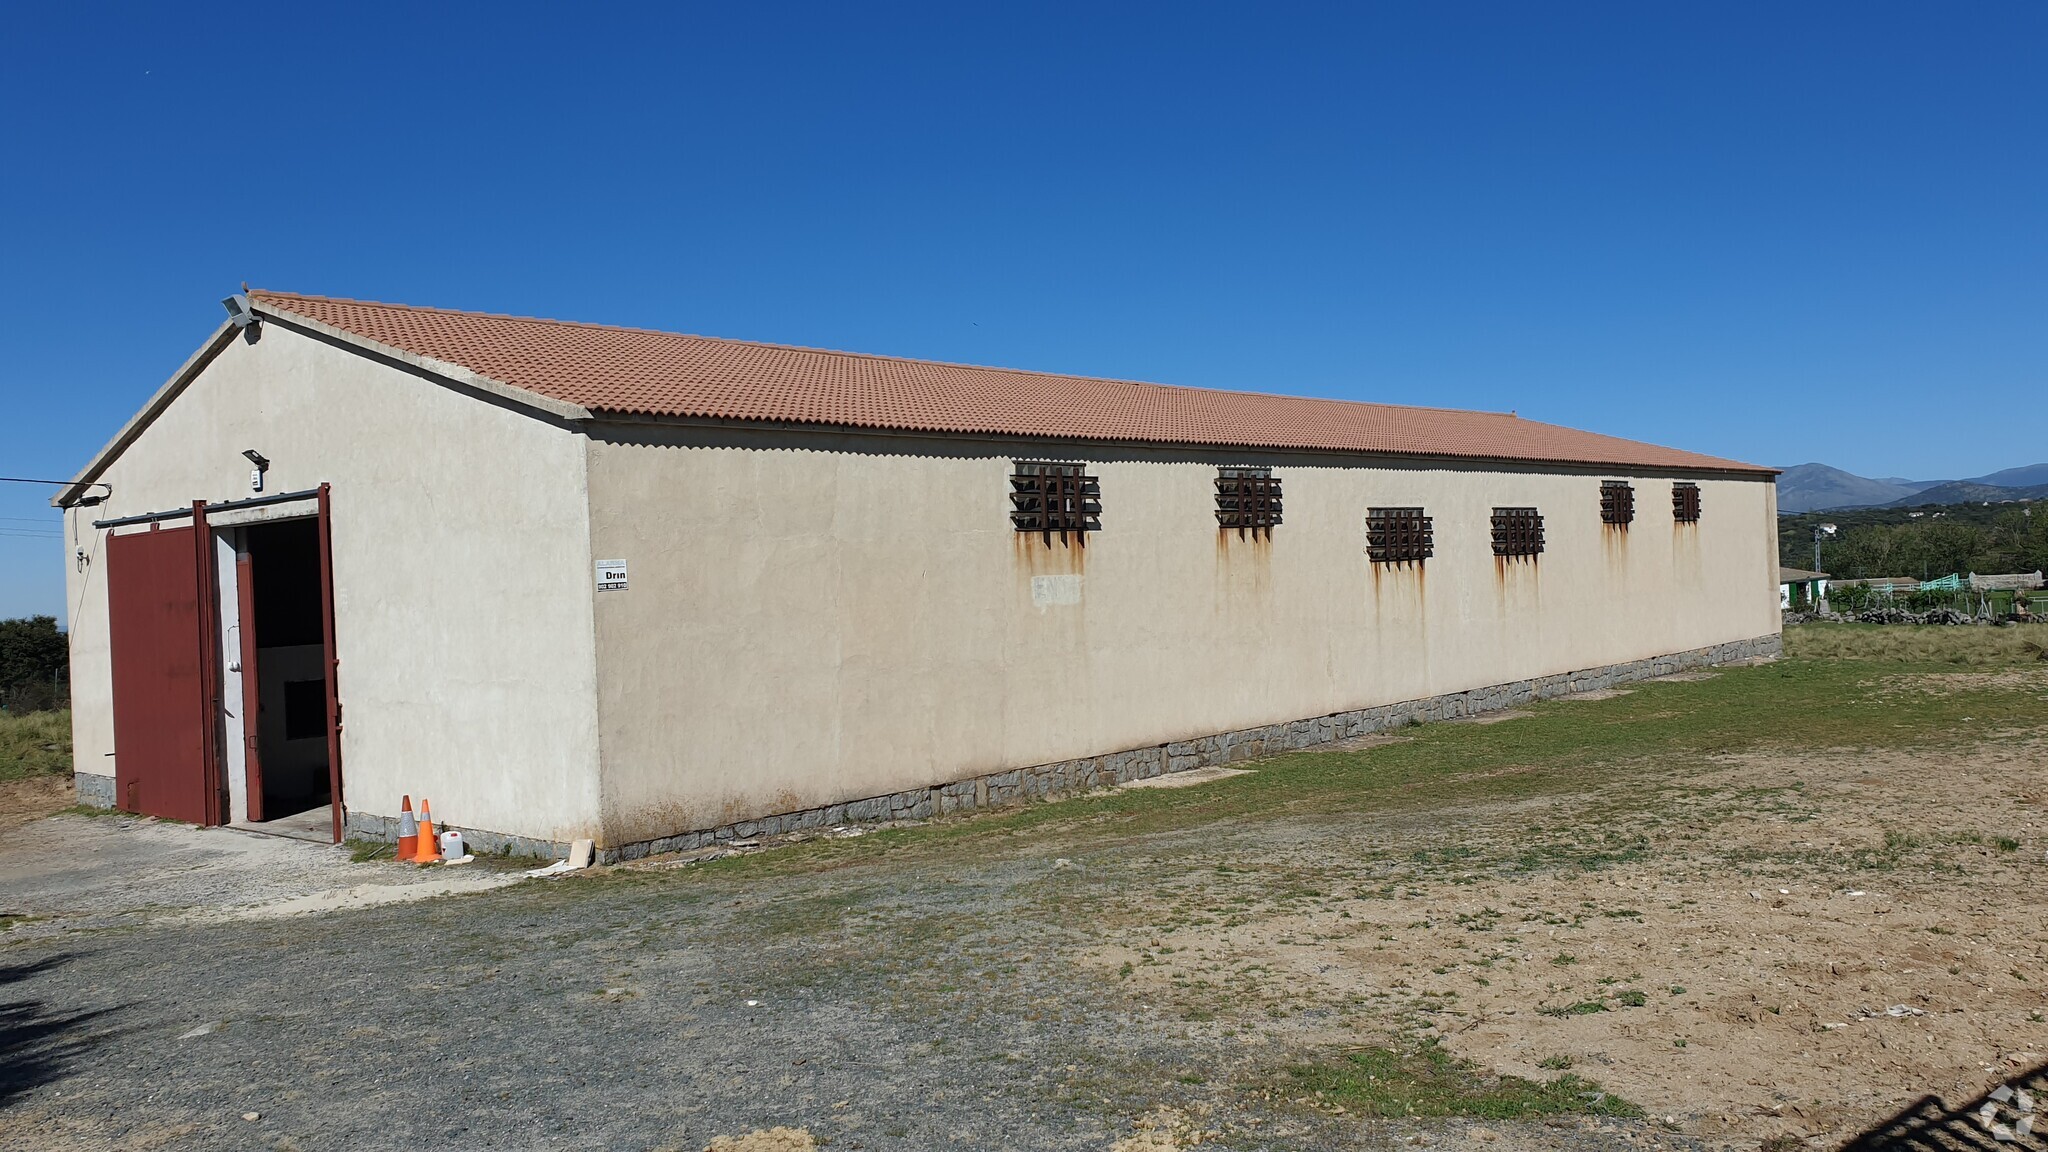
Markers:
(611, 575)
(1050, 591)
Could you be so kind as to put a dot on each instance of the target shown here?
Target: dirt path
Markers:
(30, 798)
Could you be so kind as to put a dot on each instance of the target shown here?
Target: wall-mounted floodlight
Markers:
(242, 316)
(262, 465)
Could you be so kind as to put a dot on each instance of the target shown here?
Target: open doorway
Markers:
(285, 678)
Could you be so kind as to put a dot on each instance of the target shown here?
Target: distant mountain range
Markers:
(2030, 476)
(1817, 488)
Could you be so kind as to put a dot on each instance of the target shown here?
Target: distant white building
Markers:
(2006, 582)
(1811, 587)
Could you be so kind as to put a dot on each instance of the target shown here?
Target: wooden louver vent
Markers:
(1247, 499)
(1617, 503)
(1046, 498)
(1685, 503)
(1517, 532)
(1398, 536)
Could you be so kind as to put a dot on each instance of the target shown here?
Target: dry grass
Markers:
(38, 744)
(1959, 646)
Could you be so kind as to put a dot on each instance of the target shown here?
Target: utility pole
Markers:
(1820, 533)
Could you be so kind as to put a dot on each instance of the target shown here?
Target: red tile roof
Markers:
(637, 372)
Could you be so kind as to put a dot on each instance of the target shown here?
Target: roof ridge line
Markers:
(884, 356)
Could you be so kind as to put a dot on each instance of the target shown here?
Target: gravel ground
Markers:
(69, 873)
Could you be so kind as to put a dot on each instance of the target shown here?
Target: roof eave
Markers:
(447, 370)
(1719, 468)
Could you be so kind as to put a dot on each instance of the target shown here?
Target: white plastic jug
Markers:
(451, 846)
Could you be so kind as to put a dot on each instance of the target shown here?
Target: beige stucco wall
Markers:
(463, 584)
(817, 618)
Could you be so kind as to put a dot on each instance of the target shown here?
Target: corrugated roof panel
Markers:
(636, 372)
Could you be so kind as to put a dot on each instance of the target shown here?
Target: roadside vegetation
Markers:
(38, 744)
(1924, 646)
(35, 724)
(35, 663)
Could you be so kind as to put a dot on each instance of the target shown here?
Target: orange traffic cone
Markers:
(408, 830)
(430, 845)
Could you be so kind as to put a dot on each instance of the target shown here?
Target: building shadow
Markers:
(1930, 1125)
(38, 1045)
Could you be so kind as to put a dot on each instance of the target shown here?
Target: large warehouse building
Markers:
(651, 589)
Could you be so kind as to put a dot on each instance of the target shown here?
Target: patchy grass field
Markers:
(1768, 903)
(37, 744)
(35, 766)
(1967, 646)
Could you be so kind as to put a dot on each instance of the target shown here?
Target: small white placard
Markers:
(611, 575)
(1049, 591)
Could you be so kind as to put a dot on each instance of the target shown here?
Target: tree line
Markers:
(35, 665)
(1958, 538)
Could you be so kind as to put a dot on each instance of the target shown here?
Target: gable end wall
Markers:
(462, 576)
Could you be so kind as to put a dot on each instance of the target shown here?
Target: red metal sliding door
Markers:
(159, 613)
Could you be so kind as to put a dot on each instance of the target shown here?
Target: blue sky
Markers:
(1775, 232)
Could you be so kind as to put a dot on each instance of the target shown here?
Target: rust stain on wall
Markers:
(1614, 546)
(1517, 583)
(1032, 556)
(1685, 554)
(1244, 550)
(1512, 574)
(1405, 584)
(1243, 580)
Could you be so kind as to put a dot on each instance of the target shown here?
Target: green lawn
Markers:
(34, 745)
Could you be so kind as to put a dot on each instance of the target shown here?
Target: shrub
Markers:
(35, 665)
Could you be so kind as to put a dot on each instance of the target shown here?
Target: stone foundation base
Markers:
(94, 791)
(1000, 789)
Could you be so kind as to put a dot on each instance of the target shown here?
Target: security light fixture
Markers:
(1820, 533)
(242, 316)
(262, 465)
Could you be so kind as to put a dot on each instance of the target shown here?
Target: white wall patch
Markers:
(611, 575)
(1047, 591)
